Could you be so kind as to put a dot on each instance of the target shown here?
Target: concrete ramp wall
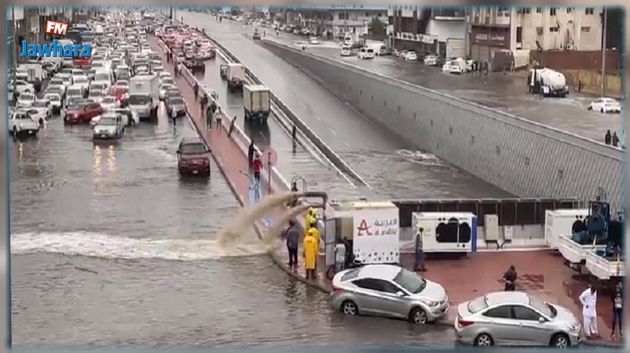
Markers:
(522, 157)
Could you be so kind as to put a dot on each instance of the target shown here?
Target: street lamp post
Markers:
(14, 43)
(604, 53)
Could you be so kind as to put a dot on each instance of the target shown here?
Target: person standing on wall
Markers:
(607, 137)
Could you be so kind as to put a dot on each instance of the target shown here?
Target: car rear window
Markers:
(350, 275)
(477, 304)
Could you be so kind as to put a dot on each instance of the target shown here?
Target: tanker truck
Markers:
(547, 82)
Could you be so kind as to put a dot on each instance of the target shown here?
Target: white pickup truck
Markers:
(573, 252)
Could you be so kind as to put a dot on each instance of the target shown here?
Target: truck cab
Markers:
(235, 77)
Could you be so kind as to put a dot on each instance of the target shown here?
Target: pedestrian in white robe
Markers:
(588, 298)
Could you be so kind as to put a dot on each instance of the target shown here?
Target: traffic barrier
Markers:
(315, 139)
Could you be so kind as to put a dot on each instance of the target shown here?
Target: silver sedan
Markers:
(388, 290)
(515, 318)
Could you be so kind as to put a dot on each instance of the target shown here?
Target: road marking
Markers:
(333, 131)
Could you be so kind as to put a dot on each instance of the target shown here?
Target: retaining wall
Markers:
(517, 155)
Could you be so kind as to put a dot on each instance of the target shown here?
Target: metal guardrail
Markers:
(310, 134)
(243, 140)
(491, 113)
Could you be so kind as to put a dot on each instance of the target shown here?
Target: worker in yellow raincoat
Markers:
(309, 249)
(310, 218)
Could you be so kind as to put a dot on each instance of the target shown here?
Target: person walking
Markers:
(257, 167)
(209, 117)
(617, 308)
(219, 118)
(232, 125)
(197, 90)
(509, 277)
(615, 140)
(588, 299)
(309, 249)
(419, 258)
(250, 154)
(340, 257)
(293, 240)
(607, 137)
(213, 106)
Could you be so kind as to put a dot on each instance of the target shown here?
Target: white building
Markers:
(427, 30)
(496, 34)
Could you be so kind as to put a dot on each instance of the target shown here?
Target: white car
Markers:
(313, 40)
(109, 103)
(365, 53)
(98, 86)
(37, 115)
(23, 87)
(96, 95)
(25, 100)
(431, 60)
(456, 67)
(66, 78)
(44, 107)
(411, 56)
(605, 105)
(447, 66)
(55, 102)
(122, 83)
(81, 81)
(165, 87)
(346, 50)
(21, 124)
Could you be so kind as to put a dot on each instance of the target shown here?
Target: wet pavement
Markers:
(110, 246)
(392, 169)
(507, 93)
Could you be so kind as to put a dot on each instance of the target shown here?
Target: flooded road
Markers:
(392, 168)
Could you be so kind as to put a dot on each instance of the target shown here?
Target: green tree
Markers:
(376, 28)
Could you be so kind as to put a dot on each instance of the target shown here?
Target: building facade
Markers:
(332, 20)
(504, 36)
(427, 30)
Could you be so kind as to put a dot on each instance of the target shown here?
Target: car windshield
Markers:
(107, 121)
(543, 307)
(109, 100)
(52, 97)
(21, 116)
(96, 93)
(138, 100)
(193, 148)
(74, 102)
(80, 79)
(40, 104)
(477, 304)
(74, 92)
(175, 100)
(27, 97)
(410, 281)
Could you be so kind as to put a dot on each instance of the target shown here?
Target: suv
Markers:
(193, 157)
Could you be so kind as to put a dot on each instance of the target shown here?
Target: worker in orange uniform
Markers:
(309, 249)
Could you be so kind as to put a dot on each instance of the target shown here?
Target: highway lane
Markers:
(392, 168)
(504, 92)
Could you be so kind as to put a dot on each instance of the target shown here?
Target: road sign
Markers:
(270, 156)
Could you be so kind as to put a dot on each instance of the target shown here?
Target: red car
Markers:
(83, 113)
(81, 62)
(193, 158)
(121, 93)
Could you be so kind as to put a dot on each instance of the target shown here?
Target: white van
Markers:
(347, 40)
(346, 50)
(366, 53)
(103, 76)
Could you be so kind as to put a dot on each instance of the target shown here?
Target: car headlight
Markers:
(430, 302)
(574, 328)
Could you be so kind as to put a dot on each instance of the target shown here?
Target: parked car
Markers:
(365, 53)
(346, 50)
(22, 124)
(431, 60)
(313, 40)
(55, 102)
(388, 290)
(193, 157)
(410, 56)
(605, 105)
(96, 95)
(23, 87)
(515, 318)
(39, 116)
(83, 113)
(109, 127)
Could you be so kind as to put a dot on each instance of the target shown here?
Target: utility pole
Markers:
(604, 53)
(14, 43)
